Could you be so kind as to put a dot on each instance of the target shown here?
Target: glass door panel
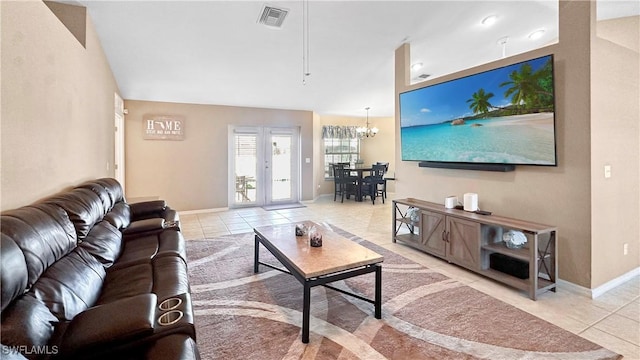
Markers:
(245, 163)
(281, 168)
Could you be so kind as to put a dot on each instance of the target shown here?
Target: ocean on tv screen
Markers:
(517, 139)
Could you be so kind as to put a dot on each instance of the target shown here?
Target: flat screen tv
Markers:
(501, 116)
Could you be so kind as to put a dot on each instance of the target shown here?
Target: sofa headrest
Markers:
(13, 271)
(83, 206)
(27, 324)
(101, 191)
(119, 216)
(104, 242)
(44, 234)
(113, 187)
(71, 285)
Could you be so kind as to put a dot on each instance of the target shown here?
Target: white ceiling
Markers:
(215, 52)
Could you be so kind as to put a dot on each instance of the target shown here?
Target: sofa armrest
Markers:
(174, 347)
(146, 209)
(171, 216)
(110, 325)
(144, 226)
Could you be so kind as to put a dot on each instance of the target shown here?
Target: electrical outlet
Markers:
(607, 171)
(625, 248)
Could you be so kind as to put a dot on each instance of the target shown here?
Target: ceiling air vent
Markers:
(420, 78)
(272, 16)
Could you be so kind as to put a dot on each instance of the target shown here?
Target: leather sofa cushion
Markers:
(106, 326)
(177, 347)
(13, 271)
(170, 277)
(104, 242)
(165, 276)
(127, 281)
(119, 216)
(27, 322)
(83, 206)
(138, 250)
(70, 285)
(142, 249)
(43, 232)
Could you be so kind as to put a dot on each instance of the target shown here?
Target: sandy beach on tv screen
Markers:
(538, 120)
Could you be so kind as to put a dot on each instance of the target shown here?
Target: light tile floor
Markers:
(611, 320)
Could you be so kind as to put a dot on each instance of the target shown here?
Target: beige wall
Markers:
(379, 148)
(571, 194)
(57, 105)
(192, 174)
(615, 131)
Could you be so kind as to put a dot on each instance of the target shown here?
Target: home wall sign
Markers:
(162, 127)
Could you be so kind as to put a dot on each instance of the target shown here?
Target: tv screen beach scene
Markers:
(504, 115)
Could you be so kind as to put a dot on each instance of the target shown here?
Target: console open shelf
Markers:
(471, 240)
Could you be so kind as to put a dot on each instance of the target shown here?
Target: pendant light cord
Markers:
(305, 41)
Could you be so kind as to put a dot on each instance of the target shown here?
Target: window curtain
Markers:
(339, 132)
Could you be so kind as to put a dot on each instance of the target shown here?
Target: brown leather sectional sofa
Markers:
(85, 275)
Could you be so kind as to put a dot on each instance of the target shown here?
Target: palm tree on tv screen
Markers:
(530, 90)
(480, 102)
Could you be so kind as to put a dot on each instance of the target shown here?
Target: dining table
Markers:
(359, 169)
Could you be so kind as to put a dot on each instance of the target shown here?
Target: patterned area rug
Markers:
(242, 315)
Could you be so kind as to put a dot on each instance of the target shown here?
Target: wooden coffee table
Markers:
(338, 259)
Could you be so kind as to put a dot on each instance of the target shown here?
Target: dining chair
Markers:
(368, 188)
(384, 183)
(343, 183)
(376, 181)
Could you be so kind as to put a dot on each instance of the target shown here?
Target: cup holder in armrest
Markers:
(172, 224)
(174, 314)
(170, 317)
(170, 304)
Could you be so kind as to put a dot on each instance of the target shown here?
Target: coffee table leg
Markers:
(256, 254)
(378, 299)
(306, 305)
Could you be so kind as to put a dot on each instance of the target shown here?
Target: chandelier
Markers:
(366, 131)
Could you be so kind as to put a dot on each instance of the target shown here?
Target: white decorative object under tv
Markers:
(514, 239)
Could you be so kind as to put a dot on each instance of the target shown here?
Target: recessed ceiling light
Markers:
(536, 34)
(489, 20)
(416, 66)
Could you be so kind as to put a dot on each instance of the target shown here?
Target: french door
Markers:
(263, 166)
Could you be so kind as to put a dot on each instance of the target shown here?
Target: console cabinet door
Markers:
(433, 228)
(463, 242)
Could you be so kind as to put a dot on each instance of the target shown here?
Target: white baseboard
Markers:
(615, 282)
(574, 288)
(602, 289)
